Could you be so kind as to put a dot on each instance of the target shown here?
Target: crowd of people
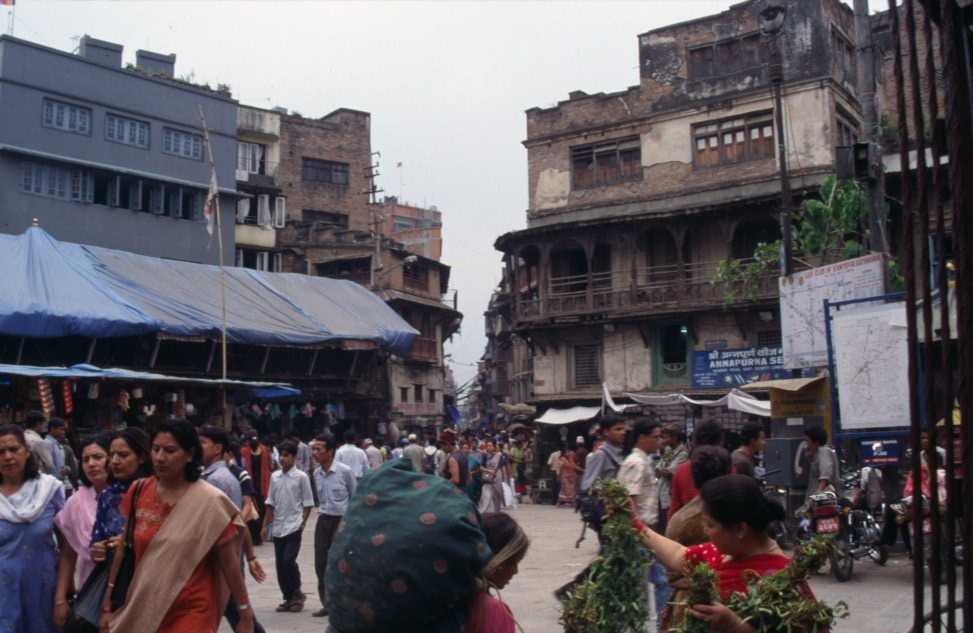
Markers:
(156, 532)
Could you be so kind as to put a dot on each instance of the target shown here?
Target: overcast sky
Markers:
(447, 84)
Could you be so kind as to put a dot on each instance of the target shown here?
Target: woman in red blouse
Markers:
(735, 519)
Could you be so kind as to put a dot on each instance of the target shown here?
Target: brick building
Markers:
(637, 195)
(418, 228)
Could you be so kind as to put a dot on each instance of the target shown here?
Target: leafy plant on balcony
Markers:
(825, 230)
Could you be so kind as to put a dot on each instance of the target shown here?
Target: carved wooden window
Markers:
(606, 163)
(749, 137)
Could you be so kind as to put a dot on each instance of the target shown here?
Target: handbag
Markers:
(126, 569)
(87, 604)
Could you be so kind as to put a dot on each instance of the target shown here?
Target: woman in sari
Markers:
(185, 543)
(74, 524)
(491, 496)
(735, 519)
(29, 500)
(568, 473)
(509, 546)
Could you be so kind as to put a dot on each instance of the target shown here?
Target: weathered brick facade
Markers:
(344, 137)
(637, 196)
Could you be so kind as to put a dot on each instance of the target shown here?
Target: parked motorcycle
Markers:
(848, 519)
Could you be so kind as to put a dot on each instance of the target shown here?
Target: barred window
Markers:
(587, 365)
(183, 144)
(325, 171)
(67, 117)
(121, 129)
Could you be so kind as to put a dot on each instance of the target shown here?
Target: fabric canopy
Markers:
(736, 400)
(83, 371)
(567, 416)
(55, 288)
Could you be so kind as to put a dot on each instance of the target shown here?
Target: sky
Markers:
(446, 83)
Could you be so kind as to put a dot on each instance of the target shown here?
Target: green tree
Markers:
(825, 230)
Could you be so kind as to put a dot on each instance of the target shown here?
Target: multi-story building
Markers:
(419, 229)
(110, 154)
(263, 208)
(637, 195)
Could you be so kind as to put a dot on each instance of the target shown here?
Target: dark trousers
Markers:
(555, 490)
(286, 549)
(257, 523)
(324, 531)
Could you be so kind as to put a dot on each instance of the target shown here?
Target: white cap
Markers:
(368, 441)
(579, 440)
(412, 437)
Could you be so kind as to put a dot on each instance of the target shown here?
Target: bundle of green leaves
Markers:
(612, 596)
(783, 602)
(702, 590)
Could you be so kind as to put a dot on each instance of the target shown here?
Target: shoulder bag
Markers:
(126, 570)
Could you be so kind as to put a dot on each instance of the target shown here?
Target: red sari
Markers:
(733, 574)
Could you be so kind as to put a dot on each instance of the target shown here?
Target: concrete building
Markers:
(112, 154)
(420, 230)
(636, 197)
(264, 208)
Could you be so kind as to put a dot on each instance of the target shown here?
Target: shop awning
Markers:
(90, 372)
(736, 400)
(784, 384)
(567, 416)
(56, 289)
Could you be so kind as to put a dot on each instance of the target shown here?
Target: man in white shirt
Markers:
(554, 465)
(335, 485)
(638, 476)
(289, 504)
(373, 454)
(352, 456)
(33, 424)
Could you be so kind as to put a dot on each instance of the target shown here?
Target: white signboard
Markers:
(802, 298)
(872, 362)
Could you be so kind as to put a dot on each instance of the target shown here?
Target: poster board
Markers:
(802, 298)
(872, 364)
(722, 368)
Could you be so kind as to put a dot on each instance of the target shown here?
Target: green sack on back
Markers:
(405, 556)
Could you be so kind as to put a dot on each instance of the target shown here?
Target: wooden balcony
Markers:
(669, 289)
(424, 349)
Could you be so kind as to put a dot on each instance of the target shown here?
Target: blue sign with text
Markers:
(727, 368)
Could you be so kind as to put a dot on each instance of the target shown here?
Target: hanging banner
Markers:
(737, 367)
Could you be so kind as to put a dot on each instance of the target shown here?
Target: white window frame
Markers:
(182, 144)
(280, 212)
(242, 210)
(277, 263)
(66, 117)
(263, 261)
(238, 258)
(264, 217)
(122, 129)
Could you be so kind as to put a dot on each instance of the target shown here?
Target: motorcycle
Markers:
(846, 519)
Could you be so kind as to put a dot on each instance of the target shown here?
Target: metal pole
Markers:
(219, 240)
(866, 93)
(786, 197)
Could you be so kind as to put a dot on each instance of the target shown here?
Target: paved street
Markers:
(880, 598)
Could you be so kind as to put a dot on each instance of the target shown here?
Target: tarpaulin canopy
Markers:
(736, 400)
(567, 416)
(90, 372)
(55, 288)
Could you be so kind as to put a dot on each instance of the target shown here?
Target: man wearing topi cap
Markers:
(414, 452)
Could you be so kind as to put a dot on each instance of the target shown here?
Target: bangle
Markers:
(60, 602)
(243, 607)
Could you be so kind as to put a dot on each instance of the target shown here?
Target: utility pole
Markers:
(771, 23)
(371, 172)
(875, 181)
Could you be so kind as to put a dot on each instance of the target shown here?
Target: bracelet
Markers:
(60, 602)
(243, 607)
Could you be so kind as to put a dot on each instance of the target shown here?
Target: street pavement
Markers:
(880, 598)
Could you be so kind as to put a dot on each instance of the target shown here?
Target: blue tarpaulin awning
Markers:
(90, 372)
(55, 289)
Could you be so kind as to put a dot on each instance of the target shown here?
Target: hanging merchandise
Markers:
(308, 410)
(46, 396)
(67, 390)
(93, 391)
(137, 393)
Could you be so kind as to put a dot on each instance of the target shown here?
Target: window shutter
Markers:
(587, 365)
(263, 210)
(280, 212)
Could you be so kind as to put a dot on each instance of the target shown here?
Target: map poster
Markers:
(872, 363)
(802, 298)
(735, 367)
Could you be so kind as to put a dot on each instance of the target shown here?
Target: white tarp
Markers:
(736, 400)
(558, 417)
(802, 298)
(872, 365)
(609, 402)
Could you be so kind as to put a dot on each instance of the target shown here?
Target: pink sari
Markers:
(74, 522)
(488, 615)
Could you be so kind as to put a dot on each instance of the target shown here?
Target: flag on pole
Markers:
(8, 3)
(211, 208)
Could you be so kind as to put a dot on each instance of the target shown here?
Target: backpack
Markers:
(429, 464)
